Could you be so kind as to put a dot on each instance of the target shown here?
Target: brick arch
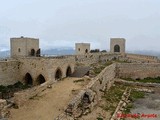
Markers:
(40, 79)
(68, 71)
(58, 74)
(28, 79)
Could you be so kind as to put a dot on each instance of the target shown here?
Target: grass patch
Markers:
(112, 97)
(14, 87)
(145, 80)
(134, 95)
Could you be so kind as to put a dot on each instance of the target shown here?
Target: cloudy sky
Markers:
(61, 23)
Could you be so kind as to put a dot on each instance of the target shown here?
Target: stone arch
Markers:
(116, 48)
(38, 53)
(28, 79)
(32, 52)
(86, 51)
(68, 71)
(40, 79)
(58, 74)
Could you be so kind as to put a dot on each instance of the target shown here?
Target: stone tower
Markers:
(82, 48)
(24, 47)
(117, 45)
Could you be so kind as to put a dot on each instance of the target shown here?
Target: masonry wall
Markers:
(45, 66)
(141, 58)
(9, 72)
(94, 58)
(138, 70)
(82, 48)
(93, 90)
(21, 47)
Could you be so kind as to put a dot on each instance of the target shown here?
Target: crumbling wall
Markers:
(91, 94)
(9, 71)
(138, 70)
(95, 57)
(141, 58)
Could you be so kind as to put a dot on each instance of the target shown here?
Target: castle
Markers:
(28, 66)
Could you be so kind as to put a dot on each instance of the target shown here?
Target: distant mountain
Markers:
(4, 54)
(145, 52)
(58, 51)
(71, 51)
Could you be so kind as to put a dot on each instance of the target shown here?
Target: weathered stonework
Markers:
(117, 45)
(24, 47)
(82, 48)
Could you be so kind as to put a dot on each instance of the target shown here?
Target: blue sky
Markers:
(62, 23)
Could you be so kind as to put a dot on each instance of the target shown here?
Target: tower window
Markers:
(79, 49)
(19, 50)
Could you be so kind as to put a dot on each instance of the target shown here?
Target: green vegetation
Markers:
(15, 87)
(145, 80)
(99, 118)
(112, 97)
(97, 68)
(134, 95)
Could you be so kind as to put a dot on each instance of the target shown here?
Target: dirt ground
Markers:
(49, 104)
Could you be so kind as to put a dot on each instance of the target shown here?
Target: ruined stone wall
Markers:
(141, 58)
(138, 70)
(46, 66)
(93, 91)
(94, 58)
(9, 71)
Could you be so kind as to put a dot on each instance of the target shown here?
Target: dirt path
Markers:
(49, 104)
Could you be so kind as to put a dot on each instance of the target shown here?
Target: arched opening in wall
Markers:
(116, 48)
(28, 79)
(86, 51)
(40, 79)
(58, 74)
(19, 50)
(68, 71)
(32, 52)
(38, 53)
(86, 99)
(79, 49)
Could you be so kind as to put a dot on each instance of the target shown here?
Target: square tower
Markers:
(117, 45)
(24, 47)
(82, 48)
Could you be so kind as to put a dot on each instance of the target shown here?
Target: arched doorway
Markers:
(68, 71)
(58, 74)
(28, 79)
(86, 51)
(116, 48)
(38, 53)
(32, 52)
(40, 79)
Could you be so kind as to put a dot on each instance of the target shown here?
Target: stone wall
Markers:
(21, 47)
(141, 58)
(9, 72)
(95, 57)
(91, 94)
(138, 70)
(45, 66)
